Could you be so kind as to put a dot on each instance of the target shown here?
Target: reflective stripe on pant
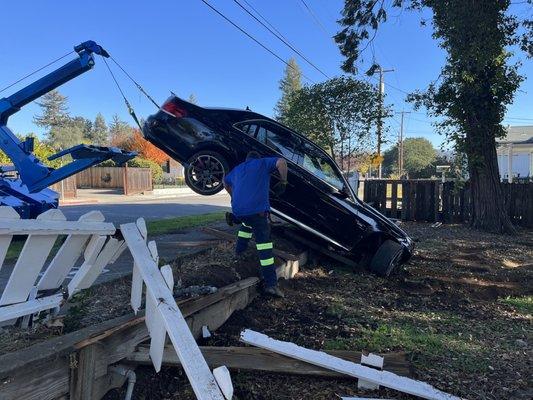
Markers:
(258, 224)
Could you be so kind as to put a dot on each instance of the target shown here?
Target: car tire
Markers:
(205, 171)
(386, 258)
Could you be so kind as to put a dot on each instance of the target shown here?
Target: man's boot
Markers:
(274, 291)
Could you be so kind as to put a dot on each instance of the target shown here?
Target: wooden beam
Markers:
(41, 371)
(256, 359)
(30, 307)
(324, 360)
(83, 379)
(165, 308)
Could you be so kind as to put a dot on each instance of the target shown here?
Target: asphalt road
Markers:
(120, 213)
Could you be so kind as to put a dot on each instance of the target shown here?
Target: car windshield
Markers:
(321, 166)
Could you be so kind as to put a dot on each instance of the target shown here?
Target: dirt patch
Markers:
(456, 308)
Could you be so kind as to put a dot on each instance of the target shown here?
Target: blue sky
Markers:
(185, 47)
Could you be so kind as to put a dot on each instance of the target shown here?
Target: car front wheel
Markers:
(205, 172)
(386, 258)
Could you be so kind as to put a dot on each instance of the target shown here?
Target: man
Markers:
(248, 185)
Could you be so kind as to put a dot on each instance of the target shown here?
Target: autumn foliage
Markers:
(144, 148)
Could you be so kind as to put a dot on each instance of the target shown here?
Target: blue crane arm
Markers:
(33, 173)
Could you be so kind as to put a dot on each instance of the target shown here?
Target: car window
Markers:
(278, 139)
(321, 166)
(248, 129)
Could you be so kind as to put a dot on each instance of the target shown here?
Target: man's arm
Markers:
(281, 165)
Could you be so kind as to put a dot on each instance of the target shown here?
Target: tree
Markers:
(145, 149)
(289, 84)
(85, 125)
(119, 131)
(99, 133)
(476, 84)
(41, 150)
(192, 99)
(418, 154)
(337, 114)
(54, 113)
(66, 135)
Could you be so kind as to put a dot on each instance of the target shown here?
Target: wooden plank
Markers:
(394, 200)
(405, 200)
(67, 255)
(223, 378)
(91, 255)
(8, 214)
(82, 385)
(30, 261)
(197, 370)
(256, 359)
(49, 361)
(30, 307)
(54, 227)
(382, 378)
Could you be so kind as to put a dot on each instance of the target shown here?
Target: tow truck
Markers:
(28, 192)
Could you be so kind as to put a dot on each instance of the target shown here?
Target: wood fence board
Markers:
(382, 378)
(30, 261)
(197, 370)
(30, 307)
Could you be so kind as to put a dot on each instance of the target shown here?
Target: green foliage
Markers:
(119, 131)
(289, 84)
(521, 304)
(419, 155)
(41, 150)
(66, 135)
(337, 114)
(157, 171)
(192, 99)
(54, 110)
(99, 133)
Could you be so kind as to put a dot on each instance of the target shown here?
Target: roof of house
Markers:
(518, 135)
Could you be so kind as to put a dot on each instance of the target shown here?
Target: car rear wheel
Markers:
(387, 258)
(205, 172)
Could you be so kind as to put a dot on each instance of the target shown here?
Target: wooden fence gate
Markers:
(131, 180)
(431, 200)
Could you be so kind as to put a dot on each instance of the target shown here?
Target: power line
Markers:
(282, 39)
(264, 19)
(315, 18)
(254, 39)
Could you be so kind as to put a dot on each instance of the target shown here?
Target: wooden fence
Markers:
(131, 180)
(66, 188)
(432, 200)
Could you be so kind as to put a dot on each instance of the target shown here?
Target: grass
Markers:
(521, 304)
(170, 225)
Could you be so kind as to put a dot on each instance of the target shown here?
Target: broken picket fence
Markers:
(163, 317)
(33, 285)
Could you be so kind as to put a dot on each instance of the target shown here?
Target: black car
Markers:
(209, 142)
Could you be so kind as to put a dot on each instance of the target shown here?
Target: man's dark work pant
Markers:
(258, 225)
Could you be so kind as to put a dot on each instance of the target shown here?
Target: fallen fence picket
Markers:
(164, 317)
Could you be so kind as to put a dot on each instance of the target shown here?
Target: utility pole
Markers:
(400, 144)
(381, 92)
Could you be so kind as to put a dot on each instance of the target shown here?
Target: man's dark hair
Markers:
(252, 155)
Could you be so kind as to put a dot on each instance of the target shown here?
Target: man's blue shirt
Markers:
(250, 182)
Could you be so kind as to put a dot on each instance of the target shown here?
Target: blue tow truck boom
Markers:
(29, 193)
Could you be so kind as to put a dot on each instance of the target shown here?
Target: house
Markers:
(515, 153)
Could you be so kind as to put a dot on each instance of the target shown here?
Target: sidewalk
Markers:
(109, 196)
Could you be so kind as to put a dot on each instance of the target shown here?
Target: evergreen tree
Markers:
(192, 99)
(66, 135)
(119, 131)
(99, 134)
(289, 84)
(54, 114)
(85, 125)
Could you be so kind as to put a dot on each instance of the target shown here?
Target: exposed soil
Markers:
(461, 309)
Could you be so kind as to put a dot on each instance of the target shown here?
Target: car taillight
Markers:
(173, 109)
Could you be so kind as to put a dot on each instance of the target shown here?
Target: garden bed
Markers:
(461, 309)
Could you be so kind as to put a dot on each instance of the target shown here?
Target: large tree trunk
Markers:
(488, 203)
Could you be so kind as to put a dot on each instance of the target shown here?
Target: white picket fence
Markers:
(164, 317)
(32, 286)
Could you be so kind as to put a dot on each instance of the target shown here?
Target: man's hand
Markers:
(279, 188)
